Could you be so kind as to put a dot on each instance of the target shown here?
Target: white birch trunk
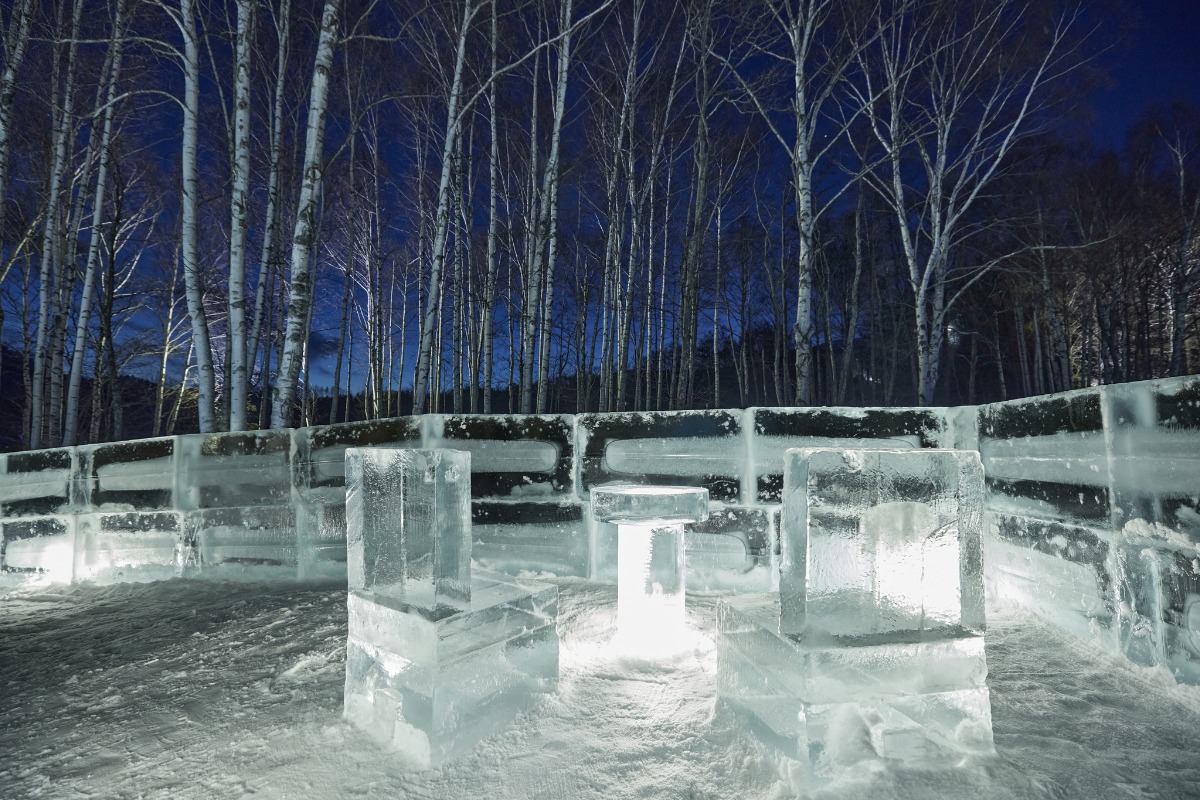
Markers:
(193, 285)
(427, 341)
(271, 224)
(71, 422)
(239, 202)
(48, 278)
(489, 295)
(305, 231)
(550, 202)
(16, 39)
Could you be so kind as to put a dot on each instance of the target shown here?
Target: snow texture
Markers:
(201, 689)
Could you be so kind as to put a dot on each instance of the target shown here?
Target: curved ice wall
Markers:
(1093, 509)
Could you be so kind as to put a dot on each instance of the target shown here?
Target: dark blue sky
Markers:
(1160, 60)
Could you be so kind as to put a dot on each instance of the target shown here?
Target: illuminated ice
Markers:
(437, 658)
(320, 485)
(651, 573)
(881, 542)
(408, 525)
(878, 627)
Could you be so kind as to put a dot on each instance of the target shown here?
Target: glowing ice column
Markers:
(650, 557)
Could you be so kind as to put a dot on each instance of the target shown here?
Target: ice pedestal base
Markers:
(433, 685)
(922, 699)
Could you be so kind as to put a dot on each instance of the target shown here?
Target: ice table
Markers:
(651, 574)
(437, 657)
(878, 628)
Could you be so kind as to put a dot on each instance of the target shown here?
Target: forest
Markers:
(237, 214)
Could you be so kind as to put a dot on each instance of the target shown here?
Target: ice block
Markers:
(878, 626)
(437, 658)
(882, 542)
(408, 525)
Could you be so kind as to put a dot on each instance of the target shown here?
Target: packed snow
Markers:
(202, 689)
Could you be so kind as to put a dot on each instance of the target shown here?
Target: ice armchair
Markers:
(437, 657)
(878, 624)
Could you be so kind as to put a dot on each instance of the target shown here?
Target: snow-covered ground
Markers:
(202, 689)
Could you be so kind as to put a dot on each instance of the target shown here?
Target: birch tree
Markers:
(268, 256)
(811, 46)
(947, 91)
(1174, 131)
(454, 120)
(550, 198)
(305, 230)
(107, 102)
(49, 282)
(239, 208)
(12, 49)
(184, 18)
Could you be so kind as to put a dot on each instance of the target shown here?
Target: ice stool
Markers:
(878, 624)
(437, 658)
(651, 573)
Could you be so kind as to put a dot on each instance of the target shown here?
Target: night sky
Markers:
(1159, 61)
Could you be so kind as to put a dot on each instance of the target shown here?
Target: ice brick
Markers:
(320, 539)
(734, 550)
(39, 545)
(1046, 457)
(233, 541)
(516, 536)
(914, 700)
(512, 457)
(434, 685)
(776, 430)
(1154, 442)
(1160, 603)
(882, 543)
(962, 428)
(128, 545)
(128, 476)
(669, 448)
(1059, 571)
(39, 483)
(234, 470)
(408, 525)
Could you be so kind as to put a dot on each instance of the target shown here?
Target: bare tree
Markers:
(106, 100)
(305, 232)
(12, 48)
(948, 90)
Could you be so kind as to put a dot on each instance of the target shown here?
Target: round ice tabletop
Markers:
(637, 504)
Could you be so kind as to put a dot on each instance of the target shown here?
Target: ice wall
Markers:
(1093, 520)
(1093, 499)
(273, 502)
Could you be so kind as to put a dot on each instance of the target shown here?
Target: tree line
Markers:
(299, 211)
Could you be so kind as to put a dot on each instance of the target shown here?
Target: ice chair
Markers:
(437, 657)
(878, 624)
